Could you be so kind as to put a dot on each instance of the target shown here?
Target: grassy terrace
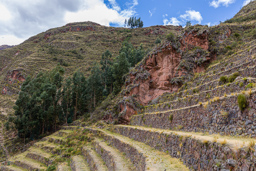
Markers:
(248, 92)
(235, 143)
(155, 160)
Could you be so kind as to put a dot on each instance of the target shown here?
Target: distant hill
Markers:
(2, 47)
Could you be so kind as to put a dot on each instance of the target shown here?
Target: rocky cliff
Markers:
(167, 67)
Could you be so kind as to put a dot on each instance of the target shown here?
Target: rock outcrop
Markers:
(166, 68)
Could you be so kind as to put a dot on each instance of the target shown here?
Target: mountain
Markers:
(2, 47)
(190, 104)
(75, 46)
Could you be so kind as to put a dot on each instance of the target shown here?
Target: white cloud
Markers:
(5, 14)
(165, 15)
(217, 3)
(114, 5)
(192, 15)
(247, 2)
(209, 24)
(10, 40)
(173, 21)
(98, 12)
(22, 19)
(150, 13)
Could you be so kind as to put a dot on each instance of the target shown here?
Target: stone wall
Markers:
(222, 116)
(197, 155)
(137, 158)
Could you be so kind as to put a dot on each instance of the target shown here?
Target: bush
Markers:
(170, 37)
(223, 79)
(157, 41)
(233, 77)
(51, 168)
(242, 102)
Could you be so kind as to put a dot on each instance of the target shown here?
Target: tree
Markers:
(135, 23)
(37, 108)
(95, 84)
(106, 68)
(121, 67)
(78, 88)
(188, 24)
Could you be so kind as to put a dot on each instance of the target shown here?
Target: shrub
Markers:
(241, 84)
(170, 37)
(51, 168)
(237, 35)
(223, 79)
(233, 77)
(250, 85)
(157, 41)
(171, 117)
(242, 102)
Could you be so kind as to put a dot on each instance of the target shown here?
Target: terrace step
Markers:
(93, 159)
(29, 164)
(203, 96)
(113, 158)
(56, 139)
(78, 163)
(11, 168)
(193, 148)
(48, 147)
(235, 58)
(142, 156)
(63, 133)
(247, 70)
(220, 115)
(63, 167)
(39, 155)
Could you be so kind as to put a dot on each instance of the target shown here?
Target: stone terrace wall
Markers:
(201, 97)
(222, 116)
(195, 154)
(135, 156)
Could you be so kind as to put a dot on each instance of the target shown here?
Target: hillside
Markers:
(75, 46)
(2, 47)
(188, 105)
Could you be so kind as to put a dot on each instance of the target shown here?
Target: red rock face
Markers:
(163, 67)
(15, 75)
(4, 90)
(190, 40)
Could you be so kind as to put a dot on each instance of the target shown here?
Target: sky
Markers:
(21, 19)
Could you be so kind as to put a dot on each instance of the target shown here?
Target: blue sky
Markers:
(155, 12)
(20, 20)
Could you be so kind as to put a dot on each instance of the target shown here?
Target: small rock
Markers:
(248, 122)
(231, 162)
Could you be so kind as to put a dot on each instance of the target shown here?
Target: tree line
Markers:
(49, 100)
(132, 22)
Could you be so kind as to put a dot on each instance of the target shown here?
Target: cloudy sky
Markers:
(21, 19)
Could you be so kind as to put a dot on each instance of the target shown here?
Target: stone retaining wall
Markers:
(202, 97)
(195, 154)
(221, 116)
(135, 156)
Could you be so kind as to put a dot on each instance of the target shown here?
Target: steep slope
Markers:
(173, 65)
(75, 46)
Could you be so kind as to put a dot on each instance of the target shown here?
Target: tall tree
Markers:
(121, 67)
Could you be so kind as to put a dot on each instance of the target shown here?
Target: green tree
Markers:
(121, 67)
